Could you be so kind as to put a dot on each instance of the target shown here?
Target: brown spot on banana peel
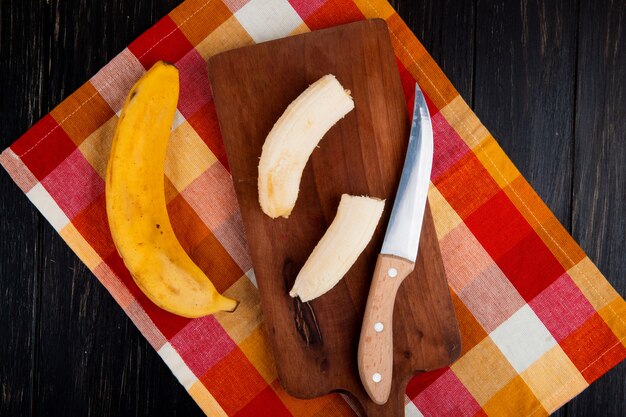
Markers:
(173, 289)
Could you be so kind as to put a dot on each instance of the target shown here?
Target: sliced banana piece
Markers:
(348, 235)
(292, 140)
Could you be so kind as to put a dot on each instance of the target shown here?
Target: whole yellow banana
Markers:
(136, 207)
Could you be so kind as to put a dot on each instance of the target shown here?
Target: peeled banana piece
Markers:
(136, 205)
(347, 236)
(292, 140)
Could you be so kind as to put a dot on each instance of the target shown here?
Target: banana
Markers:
(348, 235)
(136, 207)
(293, 138)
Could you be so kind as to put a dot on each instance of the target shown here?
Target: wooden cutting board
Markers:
(315, 344)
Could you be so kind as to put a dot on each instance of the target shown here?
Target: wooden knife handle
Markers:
(375, 355)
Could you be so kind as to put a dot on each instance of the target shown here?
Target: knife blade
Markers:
(397, 256)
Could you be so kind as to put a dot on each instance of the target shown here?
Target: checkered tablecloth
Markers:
(539, 322)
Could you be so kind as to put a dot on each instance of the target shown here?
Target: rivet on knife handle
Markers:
(376, 343)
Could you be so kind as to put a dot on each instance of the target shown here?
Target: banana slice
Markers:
(341, 245)
(292, 140)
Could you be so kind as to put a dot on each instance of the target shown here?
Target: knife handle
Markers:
(375, 355)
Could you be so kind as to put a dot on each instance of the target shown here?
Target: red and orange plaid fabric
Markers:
(539, 322)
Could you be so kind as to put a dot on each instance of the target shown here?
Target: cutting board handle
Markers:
(375, 354)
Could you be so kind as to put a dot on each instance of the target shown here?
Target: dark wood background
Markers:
(547, 78)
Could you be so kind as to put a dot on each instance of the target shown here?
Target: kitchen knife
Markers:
(397, 256)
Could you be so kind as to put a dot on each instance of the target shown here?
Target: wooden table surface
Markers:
(547, 78)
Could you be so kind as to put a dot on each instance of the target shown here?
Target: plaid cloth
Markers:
(538, 321)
